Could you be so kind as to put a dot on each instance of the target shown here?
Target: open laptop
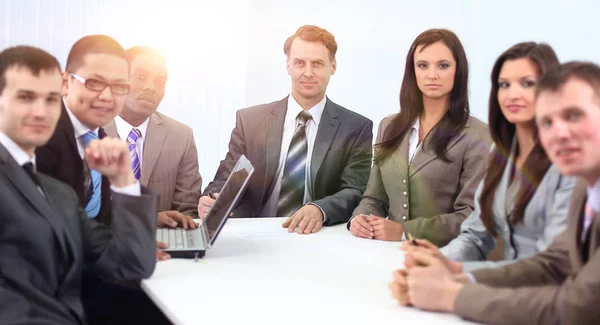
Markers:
(194, 243)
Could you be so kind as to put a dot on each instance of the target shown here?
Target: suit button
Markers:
(404, 181)
(404, 218)
(405, 205)
(404, 193)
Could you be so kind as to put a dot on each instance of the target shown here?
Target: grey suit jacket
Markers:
(545, 218)
(561, 285)
(170, 163)
(340, 164)
(430, 197)
(46, 242)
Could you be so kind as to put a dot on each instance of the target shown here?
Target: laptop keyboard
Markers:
(176, 237)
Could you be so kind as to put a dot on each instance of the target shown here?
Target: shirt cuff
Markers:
(403, 236)
(471, 277)
(134, 189)
(323, 212)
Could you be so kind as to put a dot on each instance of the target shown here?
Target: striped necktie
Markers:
(291, 194)
(92, 207)
(132, 139)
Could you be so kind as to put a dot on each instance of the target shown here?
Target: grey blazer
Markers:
(558, 286)
(430, 197)
(340, 163)
(45, 243)
(170, 163)
(545, 217)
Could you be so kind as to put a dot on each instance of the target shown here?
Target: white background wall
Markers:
(228, 54)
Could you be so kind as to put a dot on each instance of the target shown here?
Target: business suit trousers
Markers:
(118, 303)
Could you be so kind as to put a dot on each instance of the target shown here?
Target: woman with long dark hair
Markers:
(430, 157)
(523, 197)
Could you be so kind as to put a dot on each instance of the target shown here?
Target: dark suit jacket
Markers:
(561, 285)
(60, 159)
(340, 165)
(45, 243)
(429, 197)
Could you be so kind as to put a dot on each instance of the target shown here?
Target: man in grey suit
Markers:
(561, 285)
(163, 150)
(312, 157)
(46, 237)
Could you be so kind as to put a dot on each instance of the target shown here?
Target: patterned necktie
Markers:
(93, 205)
(132, 138)
(291, 195)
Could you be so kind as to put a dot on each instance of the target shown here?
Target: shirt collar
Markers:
(123, 127)
(593, 197)
(18, 154)
(416, 125)
(79, 128)
(294, 109)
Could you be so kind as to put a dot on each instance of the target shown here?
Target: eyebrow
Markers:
(97, 76)
(521, 78)
(31, 92)
(303, 60)
(142, 70)
(442, 60)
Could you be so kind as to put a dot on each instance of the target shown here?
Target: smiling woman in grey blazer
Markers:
(523, 198)
(430, 157)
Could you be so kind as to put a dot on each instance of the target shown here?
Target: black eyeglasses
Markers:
(99, 85)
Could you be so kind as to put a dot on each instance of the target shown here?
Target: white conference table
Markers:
(258, 273)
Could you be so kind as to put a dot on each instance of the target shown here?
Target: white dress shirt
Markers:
(80, 129)
(289, 126)
(413, 141)
(124, 128)
(18, 154)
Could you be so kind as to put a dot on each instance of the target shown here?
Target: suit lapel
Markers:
(327, 129)
(69, 132)
(155, 138)
(575, 225)
(274, 120)
(426, 154)
(29, 190)
(400, 155)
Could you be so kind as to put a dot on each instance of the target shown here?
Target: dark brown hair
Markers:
(502, 132)
(311, 33)
(92, 44)
(30, 57)
(411, 99)
(556, 78)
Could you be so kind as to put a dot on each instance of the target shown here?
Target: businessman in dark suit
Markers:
(94, 88)
(312, 157)
(88, 103)
(46, 238)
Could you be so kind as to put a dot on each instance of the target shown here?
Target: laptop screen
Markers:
(229, 197)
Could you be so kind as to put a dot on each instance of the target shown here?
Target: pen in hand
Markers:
(411, 239)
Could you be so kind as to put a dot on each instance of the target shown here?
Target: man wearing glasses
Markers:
(95, 85)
